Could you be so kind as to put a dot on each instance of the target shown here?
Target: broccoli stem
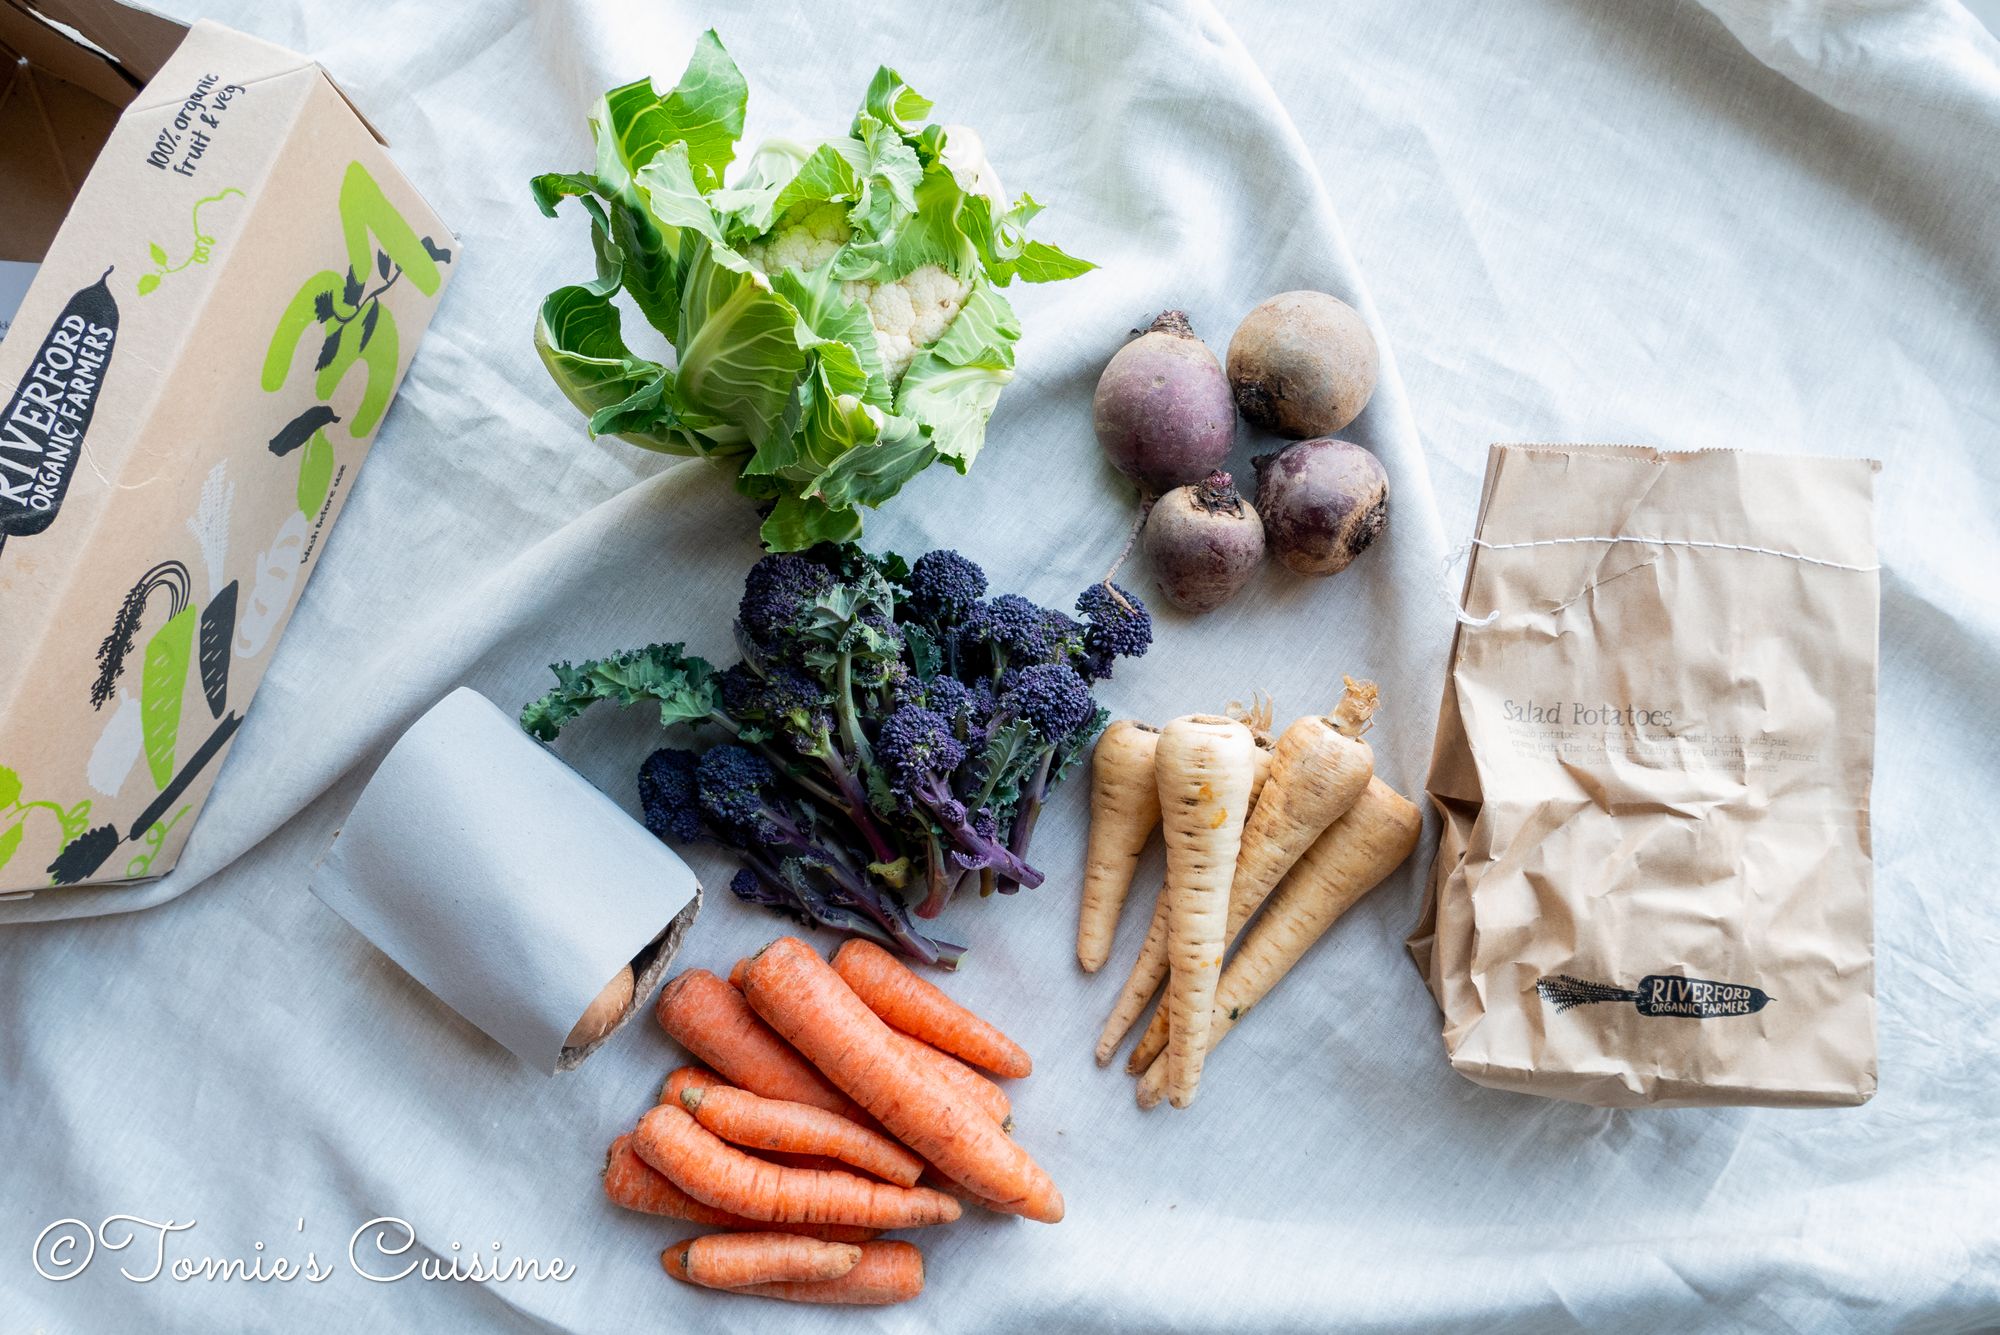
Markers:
(1025, 816)
(939, 885)
(977, 849)
(855, 803)
(843, 708)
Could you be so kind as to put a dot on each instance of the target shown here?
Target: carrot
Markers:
(818, 1013)
(712, 1020)
(746, 1119)
(688, 1077)
(1355, 855)
(719, 1174)
(736, 974)
(960, 1080)
(888, 1272)
(1321, 766)
(1124, 809)
(918, 1008)
(633, 1184)
(734, 1260)
(1150, 969)
(1205, 766)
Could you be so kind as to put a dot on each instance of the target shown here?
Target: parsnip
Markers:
(1352, 857)
(1322, 766)
(1205, 765)
(1124, 810)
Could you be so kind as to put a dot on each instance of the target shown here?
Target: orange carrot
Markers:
(715, 1173)
(961, 1080)
(888, 1272)
(818, 1013)
(733, 1260)
(688, 1077)
(746, 1119)
(634, 1184)
(916, 1006)
(712, 1020)
(736, 974)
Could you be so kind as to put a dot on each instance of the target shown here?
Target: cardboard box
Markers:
(232, 278)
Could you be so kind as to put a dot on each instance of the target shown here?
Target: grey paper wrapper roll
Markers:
(501, 880)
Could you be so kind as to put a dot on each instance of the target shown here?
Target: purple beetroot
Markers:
(1163, 409)
(1323, 503)
(1204, 541)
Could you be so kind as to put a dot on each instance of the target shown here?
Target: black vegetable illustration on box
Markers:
(210, 527)
(170, 792)
(163, 676)
(1659, 995)
(301, 429)
(43, 429)
(82, 856)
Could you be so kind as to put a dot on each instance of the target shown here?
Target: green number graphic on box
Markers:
(162, 682)
(354, 325)
(315, 474)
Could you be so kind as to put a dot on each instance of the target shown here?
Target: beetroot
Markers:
(1163, 410)
(1204, 542)
(1302, 364)
(1323, 502)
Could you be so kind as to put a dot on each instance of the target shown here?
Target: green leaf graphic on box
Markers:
(163, 679)
(10, 787)
(315, 474)
(10, 840)
(147, 282)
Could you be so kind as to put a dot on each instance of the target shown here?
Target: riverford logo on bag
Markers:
(149, 569)
(1658, 994)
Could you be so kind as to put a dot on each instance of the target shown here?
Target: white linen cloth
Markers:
(1727, 224)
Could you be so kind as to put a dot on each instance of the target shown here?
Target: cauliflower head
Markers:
(908, 313)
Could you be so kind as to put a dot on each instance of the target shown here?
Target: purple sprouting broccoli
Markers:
(798, 896)
(919, 756)
(730, 795)
(1052, 696)
(1117, 626)
(888, 723)
(1054, 699)
(777, 592)
(944, 588)
(666, 795)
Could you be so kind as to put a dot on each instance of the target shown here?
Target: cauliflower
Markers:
(762, 379)
(909, 313)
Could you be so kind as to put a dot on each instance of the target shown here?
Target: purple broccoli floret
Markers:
(667, 795)
(777, 592)
(1113, 630)
(916, 744)
(1052, 696)
(945, 587)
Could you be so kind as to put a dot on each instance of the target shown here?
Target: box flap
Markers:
(135, 38)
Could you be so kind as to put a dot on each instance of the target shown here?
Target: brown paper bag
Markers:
(1653, 882)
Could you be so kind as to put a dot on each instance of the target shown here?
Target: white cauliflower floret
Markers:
(805, 240)
(909, 314)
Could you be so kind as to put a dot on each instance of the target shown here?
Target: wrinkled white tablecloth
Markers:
(1764, 225)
